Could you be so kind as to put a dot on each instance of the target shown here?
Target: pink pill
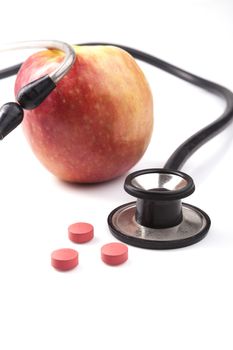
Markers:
(64, 259)
(80, 232)
(114, 253)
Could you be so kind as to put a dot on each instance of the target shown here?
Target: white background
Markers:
(180, 299)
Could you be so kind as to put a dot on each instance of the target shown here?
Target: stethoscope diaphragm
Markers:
(158, 219)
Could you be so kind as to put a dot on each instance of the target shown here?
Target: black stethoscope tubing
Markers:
(158, 219)
(189, 146)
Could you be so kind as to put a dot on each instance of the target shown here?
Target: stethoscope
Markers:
(158, 219)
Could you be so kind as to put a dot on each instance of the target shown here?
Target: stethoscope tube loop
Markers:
(194, 142)
(63, 67)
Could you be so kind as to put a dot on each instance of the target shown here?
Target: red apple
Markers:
(97, 123)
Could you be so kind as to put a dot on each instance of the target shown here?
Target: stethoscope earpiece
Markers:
(33, 94)
(158, 219)
(11, 115)
(29, 97)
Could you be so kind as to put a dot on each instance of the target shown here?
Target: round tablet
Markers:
(80, 232)
(114, 253)
(64, 259)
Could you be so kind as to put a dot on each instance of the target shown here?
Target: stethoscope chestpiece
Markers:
(158, 219)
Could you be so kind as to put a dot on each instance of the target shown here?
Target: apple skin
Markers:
(97, 122)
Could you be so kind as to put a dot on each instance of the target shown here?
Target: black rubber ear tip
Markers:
(11, 115)
(33, 94)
